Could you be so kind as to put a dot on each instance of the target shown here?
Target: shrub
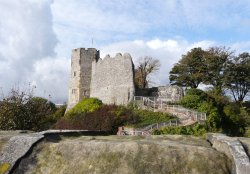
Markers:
(193, 98)
(213, 121)
(149, 117)
(85, 106)
(234, 121)
(24, 112)
(246, 105)
(109, 117)
(41, 113)
(198, 92)
(59, 112)
(191, 101)
(196, 130)
(247, 133)
(104, 119)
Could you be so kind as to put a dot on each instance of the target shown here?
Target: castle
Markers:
(110, 79)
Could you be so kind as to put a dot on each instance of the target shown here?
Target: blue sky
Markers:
(37, 36)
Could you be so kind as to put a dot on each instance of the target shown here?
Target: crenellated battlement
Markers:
(85, 54)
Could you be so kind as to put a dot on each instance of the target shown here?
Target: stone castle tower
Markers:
(110, 80)
(80, 77)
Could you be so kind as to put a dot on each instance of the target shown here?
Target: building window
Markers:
(128, 94)
(74, 73)
(73, 91)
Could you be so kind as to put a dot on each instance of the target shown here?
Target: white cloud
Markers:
(26, 36)
(167, 51)
(51, 77)
(37, 36)
(158, 44)
(240, 47)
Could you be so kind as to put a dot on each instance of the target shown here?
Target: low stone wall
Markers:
(233, 148)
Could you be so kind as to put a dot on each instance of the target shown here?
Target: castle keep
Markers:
(111, 79)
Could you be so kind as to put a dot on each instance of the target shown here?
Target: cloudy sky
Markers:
(37, 36)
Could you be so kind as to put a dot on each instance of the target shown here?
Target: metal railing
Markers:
(159, 104)
(133, 132)
(151, 127)
(184, 116)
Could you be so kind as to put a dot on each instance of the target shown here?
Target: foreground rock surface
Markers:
(233, 148)
(246, 144)
(126, 155)
(14, 145)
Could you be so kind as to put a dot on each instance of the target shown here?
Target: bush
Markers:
(145, 117)
(85, 106)
(247, 133)
(60, 112)
(246, 105)
(42, 112)
(109, 117)
(193, 98)
(222, 115)
(191, 101)
(198, 92)
(104, 119)
(149, 117)
(213, 121)
(196, 130)
(234, 121)
(20, 111)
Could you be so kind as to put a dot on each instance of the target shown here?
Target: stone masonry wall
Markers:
(113, 79)
(80, 77)
(87, 57)
(170, 93)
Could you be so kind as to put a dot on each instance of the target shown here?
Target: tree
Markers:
(41, 113)
(237, 76)
(189, 71)
(147, 65)
(24, 112)
(216, 61)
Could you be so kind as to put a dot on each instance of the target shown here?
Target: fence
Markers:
(148, 129)
(133, 132)
(184, 116)
(159, 104)
(159, 125)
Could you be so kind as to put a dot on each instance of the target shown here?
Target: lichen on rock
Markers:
(112, 154)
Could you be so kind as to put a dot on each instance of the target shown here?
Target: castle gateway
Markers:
(110, 80)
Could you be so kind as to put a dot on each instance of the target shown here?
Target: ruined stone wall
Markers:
(113, 79)
(87, 57)
(80, 76)
(171, 93)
